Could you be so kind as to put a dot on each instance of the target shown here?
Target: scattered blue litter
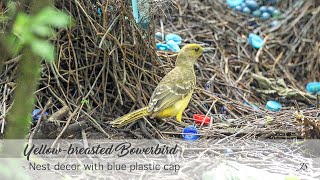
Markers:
(256, 13)
(255, 41)
(253, 5)
(36, 115)
(246, 10)
(265, 15)
(176, 38)
(159, 35)
(234, 3)
(273, 106)
(173, 46)
(253, 24)
(313, 87)
(99, 11)
(162, 47)
(274, 23)
(193, 133)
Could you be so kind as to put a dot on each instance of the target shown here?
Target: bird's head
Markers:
(189, 54)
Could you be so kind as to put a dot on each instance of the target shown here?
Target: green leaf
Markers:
(14, 44)
(42, 30)
(21, 24)
(53, 17)
(44, 49)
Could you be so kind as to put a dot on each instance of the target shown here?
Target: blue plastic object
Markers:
(252, 105)
(176, 38)
(162, 47)
(256, 13)
(265, 15)
(238, 8)
(36, 115)
(276, 13)
(192, 133)
(274, 23)
(270, 9)
(234, 3)
(273, 106)
(173, 46)
(159, 35)
(263, 9)
(135, 10)
(253, 5)
(246, 10)
(99, 11)
(313, 87)
(255, 41)
(243, 5)
(228, 152)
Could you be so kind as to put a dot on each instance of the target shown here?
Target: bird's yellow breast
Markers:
(177, 108)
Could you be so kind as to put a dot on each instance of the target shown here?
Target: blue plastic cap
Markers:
(36, 117)
(234, 3)
(253, 5)
(193, 133)
(162, 47)
(176, 38)
(255, 41)
(313, 87)
(173, 46)
(273, 106)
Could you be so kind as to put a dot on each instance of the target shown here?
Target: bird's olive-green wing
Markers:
(173, 87)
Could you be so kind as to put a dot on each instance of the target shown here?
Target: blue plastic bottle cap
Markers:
(162, 47)
(36, 115)
(173, 46)
(246, 10)
(253, 5)
(273, 106)
(159, 35)
(192, 133)
(265, 15)
(176, 38)
(255, 40)
(234, 3)
(313, 87)
(256, 13)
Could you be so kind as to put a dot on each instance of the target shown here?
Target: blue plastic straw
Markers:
(135, 10)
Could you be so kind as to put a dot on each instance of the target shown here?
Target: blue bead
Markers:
(246, 10)
(234, 3)
(162, 47)
(173, 46)
(313, 87)
(273, 106)
(276, 13)
(265, 15)
(255, 40)
(256, 13)
(253, 5)
(263, 8)
(176, 38)
(243, 5)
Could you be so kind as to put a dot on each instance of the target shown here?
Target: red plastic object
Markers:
(199, 118)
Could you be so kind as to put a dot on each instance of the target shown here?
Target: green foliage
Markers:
(34, 31)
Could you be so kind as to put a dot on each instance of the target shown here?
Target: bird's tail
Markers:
(130, 117)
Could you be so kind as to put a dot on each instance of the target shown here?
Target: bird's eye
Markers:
(196, 49)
